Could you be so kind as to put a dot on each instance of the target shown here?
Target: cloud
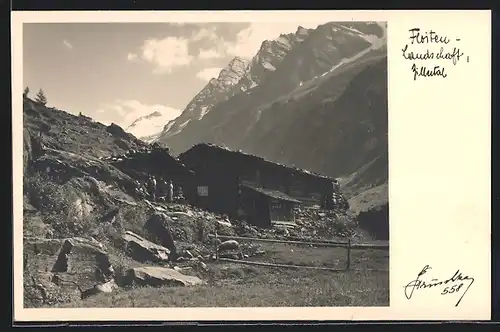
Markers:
(209, 33)
(212, 41)
(124, 112)
(67, 44)
(167, 53)
(208, 73)
(246, 42)
(131, 56)
(209, 54)
(249, 40)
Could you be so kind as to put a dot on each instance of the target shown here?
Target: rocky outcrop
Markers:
(49, 247)
(64, 268)
(63, 166)
(233, 72)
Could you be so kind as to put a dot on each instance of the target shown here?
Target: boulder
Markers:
(158, 228)
(50, 247)
(160, 276)
(57, 270)
(143, 250)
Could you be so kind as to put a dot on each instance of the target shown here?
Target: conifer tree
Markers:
(41, 98)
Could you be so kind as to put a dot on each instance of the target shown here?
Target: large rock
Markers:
(158, 228)
(50, 247)
(58, 270)
(160, 276)
(143, 250)
(77, 256)
(72, 250)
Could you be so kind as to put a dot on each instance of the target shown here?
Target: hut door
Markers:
(278, 211)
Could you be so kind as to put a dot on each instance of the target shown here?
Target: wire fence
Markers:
(308, 243)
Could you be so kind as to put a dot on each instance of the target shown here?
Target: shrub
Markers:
(57, 205)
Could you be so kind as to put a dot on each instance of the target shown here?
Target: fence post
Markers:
(348, 254)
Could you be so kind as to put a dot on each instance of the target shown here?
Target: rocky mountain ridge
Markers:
(266, 63)
(273, 72)
(238, 76)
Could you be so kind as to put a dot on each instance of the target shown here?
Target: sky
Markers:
(117, 72)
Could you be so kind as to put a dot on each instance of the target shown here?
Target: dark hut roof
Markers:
(242, 154)
(272, 193)
(153, 158)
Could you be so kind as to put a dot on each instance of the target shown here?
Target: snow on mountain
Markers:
(148, 127)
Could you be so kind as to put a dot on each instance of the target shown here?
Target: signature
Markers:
(452, 285)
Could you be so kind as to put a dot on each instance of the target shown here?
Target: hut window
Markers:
(202, 190)
(276, 206)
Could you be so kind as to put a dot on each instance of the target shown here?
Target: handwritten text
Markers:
(430, 47)
(454, 284)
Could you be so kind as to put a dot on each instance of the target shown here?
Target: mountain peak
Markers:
(301, 29)
(154, 114)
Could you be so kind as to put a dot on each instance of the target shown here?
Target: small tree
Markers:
(26, 92)
(40, 97)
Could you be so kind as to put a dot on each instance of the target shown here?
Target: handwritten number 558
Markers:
(452, 289)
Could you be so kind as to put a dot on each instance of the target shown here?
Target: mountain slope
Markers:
(310, 54)
(334, 129)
